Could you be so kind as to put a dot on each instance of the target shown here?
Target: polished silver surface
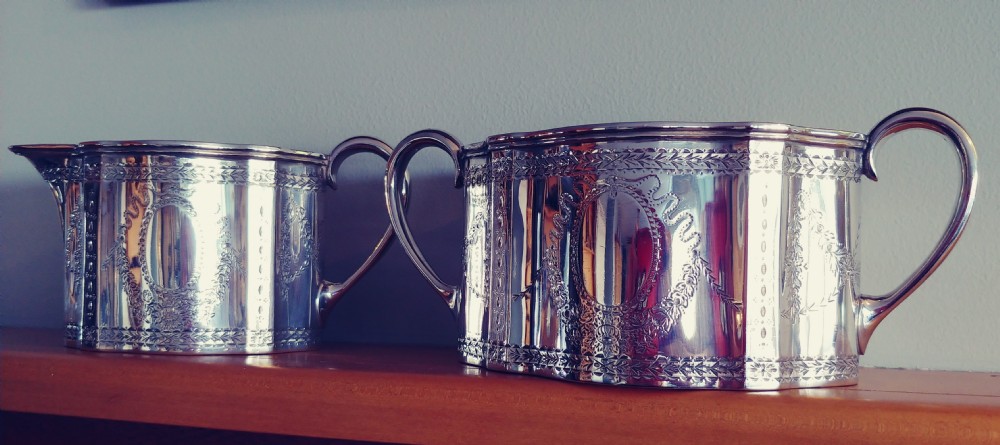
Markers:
(191, 247)
(676, 255)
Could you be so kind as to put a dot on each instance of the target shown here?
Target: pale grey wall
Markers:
(308, 74)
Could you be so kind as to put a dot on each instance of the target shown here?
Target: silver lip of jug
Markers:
(220, 150)
(679, 130)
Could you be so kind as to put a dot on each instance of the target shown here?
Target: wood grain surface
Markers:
(423, 395)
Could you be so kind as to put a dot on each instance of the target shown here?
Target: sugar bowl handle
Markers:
(875, 308)
(395, 180)
(331, 292)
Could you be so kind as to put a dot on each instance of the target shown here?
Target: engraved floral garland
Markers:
(291, 264)
(170, 308)
(839, 259)
(476, 257)
(631, 324)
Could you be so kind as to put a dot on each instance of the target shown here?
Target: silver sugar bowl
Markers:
(192, 247)
(677, 255)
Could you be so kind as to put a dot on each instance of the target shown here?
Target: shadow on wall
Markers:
(103, 4)
(31, 255)
(392, 303)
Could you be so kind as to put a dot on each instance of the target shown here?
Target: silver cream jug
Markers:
(679, 255)
(192, 247)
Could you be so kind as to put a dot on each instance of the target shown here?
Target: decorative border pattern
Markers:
(190, 340)
(797, 164)
(90, 200)
(685, 161)
(78, 269)
(617, 160)
(760, 326)
(675, 371)
(803, 369)
(478, 174)
(175, 170)
(812, 166)
(499, 236)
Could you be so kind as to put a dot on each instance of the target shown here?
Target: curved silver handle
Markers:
(331, 292)
(394, 182)
(875, 308)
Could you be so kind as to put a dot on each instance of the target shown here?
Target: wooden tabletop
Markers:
(423, 395)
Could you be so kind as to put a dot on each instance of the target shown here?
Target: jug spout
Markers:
(51, 162)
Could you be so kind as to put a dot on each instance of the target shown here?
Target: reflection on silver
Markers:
(669, 254)
(195, 248)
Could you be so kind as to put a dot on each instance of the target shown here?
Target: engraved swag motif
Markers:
(838, 261)
(297, 246)
(475, 245)
(159, 285)
(634, 322)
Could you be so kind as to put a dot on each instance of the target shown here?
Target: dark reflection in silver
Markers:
(685, 255)
(194, 248)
